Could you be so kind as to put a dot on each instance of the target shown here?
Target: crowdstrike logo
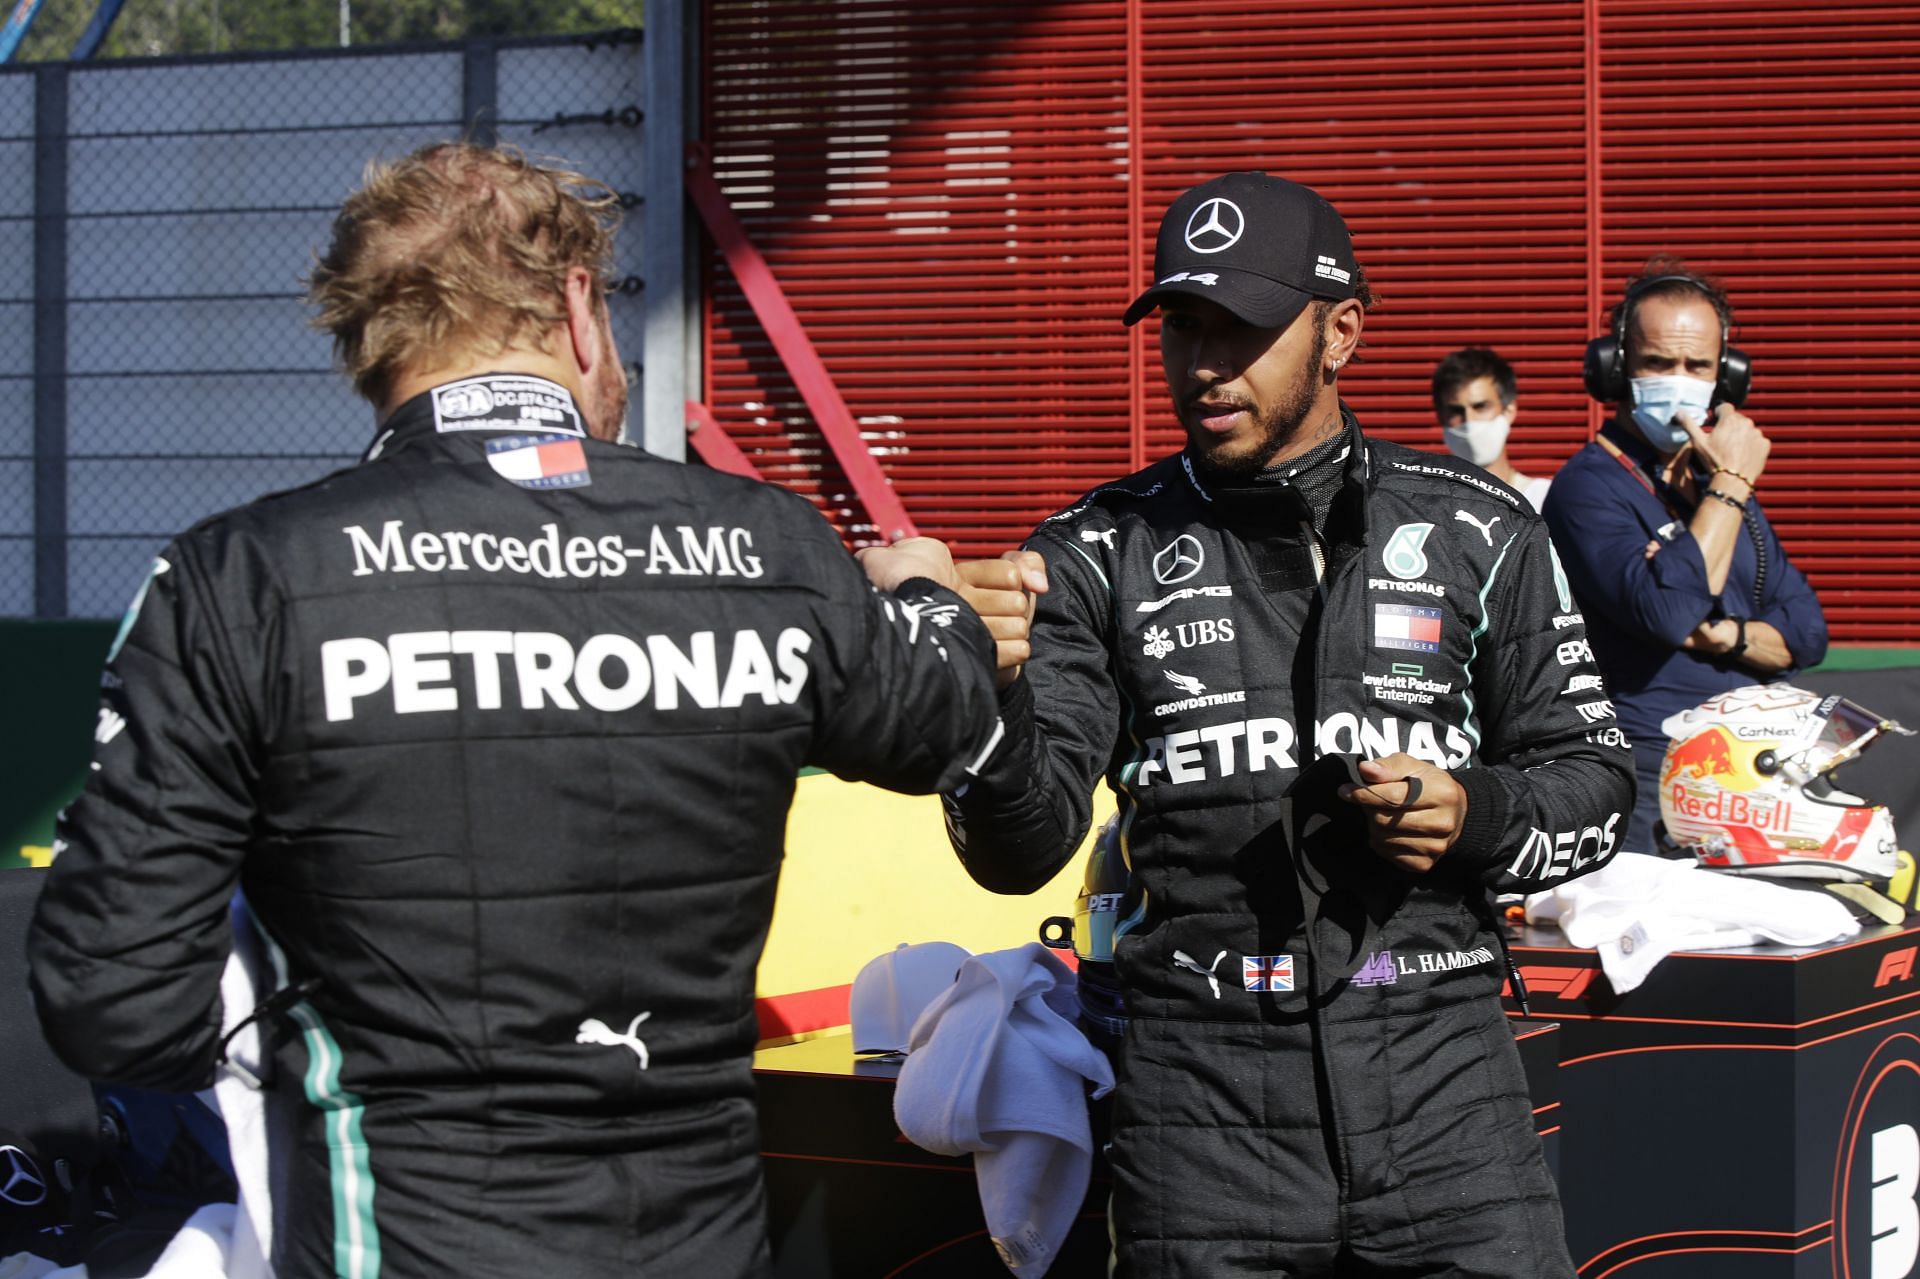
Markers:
(1215, 226)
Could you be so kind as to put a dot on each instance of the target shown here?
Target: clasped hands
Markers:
(1001, 591)
(1414, 810)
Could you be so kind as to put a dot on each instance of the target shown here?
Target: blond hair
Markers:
(457, 250)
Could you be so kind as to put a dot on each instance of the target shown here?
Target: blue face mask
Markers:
(1658, 400)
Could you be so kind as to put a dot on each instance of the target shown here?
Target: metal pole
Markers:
(480, 92)
(346, 23)
(666, 259)
(50, 341)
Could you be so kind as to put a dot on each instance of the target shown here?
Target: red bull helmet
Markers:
(1747, 786)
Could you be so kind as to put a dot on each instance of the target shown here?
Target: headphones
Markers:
(1605, 371)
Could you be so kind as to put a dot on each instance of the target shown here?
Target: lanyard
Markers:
(1664, 493)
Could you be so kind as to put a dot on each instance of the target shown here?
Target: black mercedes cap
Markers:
(1258, 245)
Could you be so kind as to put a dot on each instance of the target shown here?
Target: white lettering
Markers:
(419, 669)
(793, 672)
(544, 552)
(709, 557)
(1269, 742)
(542, 661)
(389, 549)
(751, 671)
(698, 673)
(486, 648)
(427, 552)
(582, 558)
(456, 540)
(481, 558)
(1896, 1217)
(414, 667)
(351, 668)
(589, 672)
(737, 542)
(659, 552)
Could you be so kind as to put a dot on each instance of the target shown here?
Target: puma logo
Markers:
(1486, 530)
(1181, 959)
(595, 1031)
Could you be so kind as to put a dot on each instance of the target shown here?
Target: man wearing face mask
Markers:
(1685, 585)
(1474, 394)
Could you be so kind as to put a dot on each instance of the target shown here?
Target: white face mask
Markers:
(1478, 442)
(1658, 400)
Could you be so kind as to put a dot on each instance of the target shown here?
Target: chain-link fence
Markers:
(156, 220)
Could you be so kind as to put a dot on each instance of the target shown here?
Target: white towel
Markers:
(246, 1108)
(1636, 910)
(997, 1066)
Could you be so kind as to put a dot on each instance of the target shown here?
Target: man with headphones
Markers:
(1686, 588)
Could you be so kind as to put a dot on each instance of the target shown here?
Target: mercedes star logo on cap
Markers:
(24, 1184)
(1216, 225)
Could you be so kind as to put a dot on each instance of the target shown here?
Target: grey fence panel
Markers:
(554, 103)
(307, 412)
(199, 254)
(198, 193)
(243, 96)
(16, 345)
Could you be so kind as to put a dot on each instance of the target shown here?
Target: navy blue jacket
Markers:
(1639, 610)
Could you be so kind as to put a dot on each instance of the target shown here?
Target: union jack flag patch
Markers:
(1267, 972)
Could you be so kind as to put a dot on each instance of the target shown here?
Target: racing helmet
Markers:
(1747, 786)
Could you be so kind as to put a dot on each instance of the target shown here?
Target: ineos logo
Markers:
(1178, 561)
(22, 1184)
(1215, 226)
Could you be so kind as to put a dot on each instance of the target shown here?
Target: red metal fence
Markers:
(959, 199)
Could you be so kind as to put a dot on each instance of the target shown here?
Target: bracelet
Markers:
(1729, 499)
(1728, 470)
(1739, 641)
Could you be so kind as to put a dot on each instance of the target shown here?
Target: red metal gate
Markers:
(959, 199)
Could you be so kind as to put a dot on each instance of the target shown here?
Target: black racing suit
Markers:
(497, 731)
(1317, 1076)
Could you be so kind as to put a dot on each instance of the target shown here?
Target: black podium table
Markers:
(1746, 1113)
(850, 1198)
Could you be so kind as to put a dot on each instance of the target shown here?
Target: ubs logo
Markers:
(1876, 1193)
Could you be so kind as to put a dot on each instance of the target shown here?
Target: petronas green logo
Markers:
(1560, 581)
(1403, 555)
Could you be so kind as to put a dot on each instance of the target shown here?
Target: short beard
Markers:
(1277, 429)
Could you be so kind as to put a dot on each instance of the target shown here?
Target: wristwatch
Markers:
(1739, 640)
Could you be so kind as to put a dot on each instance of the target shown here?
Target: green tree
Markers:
(155, 28)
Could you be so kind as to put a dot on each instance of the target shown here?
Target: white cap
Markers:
(891, 992)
